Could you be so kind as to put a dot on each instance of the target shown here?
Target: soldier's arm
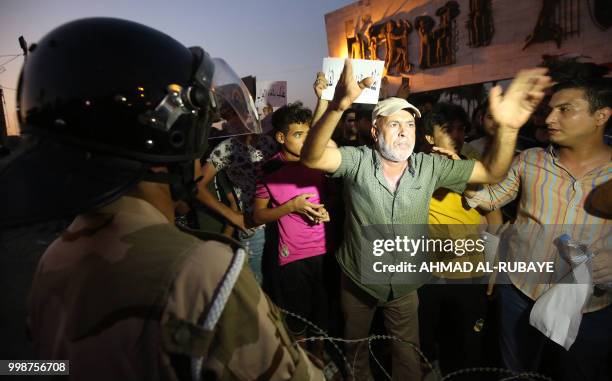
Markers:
(247, 340)
(267, 351)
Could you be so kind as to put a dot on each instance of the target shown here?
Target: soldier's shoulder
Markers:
(203, 269)
(210, 255)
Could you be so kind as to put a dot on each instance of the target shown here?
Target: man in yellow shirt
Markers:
(457, 342)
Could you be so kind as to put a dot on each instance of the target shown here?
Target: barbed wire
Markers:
(314, 338)
(485, 369)
(382, 368)
(351, 369)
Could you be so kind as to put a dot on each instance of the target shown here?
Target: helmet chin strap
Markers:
(180, 175)
(183, 187)
(186, 189)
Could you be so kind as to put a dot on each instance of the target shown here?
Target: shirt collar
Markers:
(554, 154)
(552, 151)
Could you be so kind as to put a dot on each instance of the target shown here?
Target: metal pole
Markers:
(3, 121)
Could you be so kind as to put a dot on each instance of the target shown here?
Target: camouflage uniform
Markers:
(123, 294)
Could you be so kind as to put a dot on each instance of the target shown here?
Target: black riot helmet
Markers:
(100, 101)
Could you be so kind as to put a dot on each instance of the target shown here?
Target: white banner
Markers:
(270, 95)
(332, 67)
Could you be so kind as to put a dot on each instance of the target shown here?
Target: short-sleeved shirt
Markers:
(448, 208)
(281, 181)
(370, 201)
(449, 217)
(242, 163)
(552, 202)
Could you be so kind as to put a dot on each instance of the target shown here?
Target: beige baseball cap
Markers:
(392, 105)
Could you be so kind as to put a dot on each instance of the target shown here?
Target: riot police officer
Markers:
(113, 115)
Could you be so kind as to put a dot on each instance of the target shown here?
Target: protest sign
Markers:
(332, 67)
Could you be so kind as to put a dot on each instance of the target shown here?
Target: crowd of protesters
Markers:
(298, 202)
(392, 165)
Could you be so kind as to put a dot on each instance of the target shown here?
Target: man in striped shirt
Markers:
(553, 184)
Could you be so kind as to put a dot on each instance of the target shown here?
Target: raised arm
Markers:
(494, 196)
(511, 111)
(315, 153)
(319, 85)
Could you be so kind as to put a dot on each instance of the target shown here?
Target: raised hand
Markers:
(347, 88)
(526, 91)
(320, 84)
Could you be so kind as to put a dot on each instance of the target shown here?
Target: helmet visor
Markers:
(236, 112)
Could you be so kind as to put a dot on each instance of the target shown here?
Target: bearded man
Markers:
(390, 185)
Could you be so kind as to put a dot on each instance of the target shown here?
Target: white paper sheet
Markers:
(332, 67)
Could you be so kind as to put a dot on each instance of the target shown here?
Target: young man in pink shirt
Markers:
(290, 194)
